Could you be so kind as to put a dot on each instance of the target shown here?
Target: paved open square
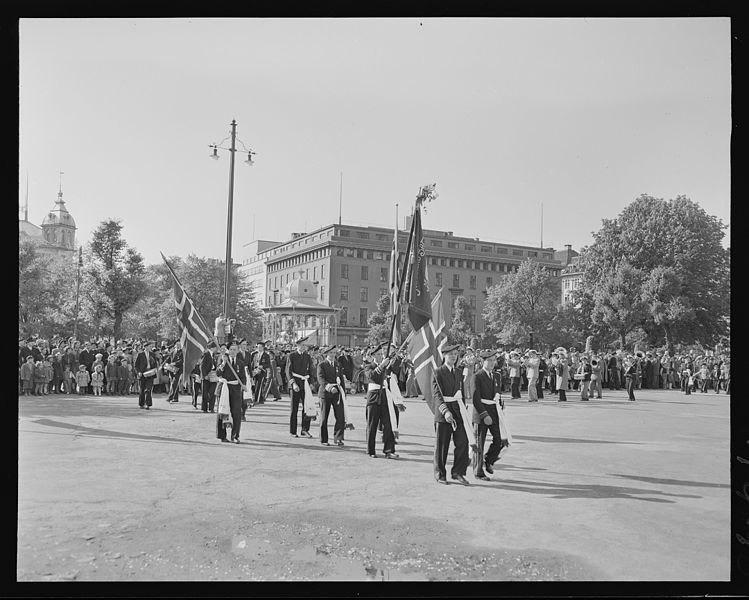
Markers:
(600, 490)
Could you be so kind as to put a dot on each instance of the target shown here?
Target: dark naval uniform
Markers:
(446, 383)
(330, 374)
(208, 387)
(177, 360)
(484, 388)
(145, 361)
(235, 396)
(377, 408)
(299, 366)
(260, 372)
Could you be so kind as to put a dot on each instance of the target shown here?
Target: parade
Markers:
(422, 299)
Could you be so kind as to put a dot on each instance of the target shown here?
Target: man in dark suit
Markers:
(176, 360)
(299, 372)
(208, 378)
(448, 423)
(260, 372)
(487, 390)
(329, 377)
(232, 370)
(245, 356)
(86, 357)
(376, 372)
(146, 361)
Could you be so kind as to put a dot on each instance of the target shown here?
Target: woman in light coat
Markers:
(563, 376)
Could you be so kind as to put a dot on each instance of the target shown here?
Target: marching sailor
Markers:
(260, 372)
(486, 404)
(231, 371)
(448, 423)
(175, 364)
(299, 371)
(329, 377)
(376, 373)
(146, 364)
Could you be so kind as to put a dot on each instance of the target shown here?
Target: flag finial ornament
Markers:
(426, 194)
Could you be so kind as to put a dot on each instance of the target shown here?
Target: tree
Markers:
(460, 331)
(380, 322)
(46, 292)
(674, 234)
(116, 274)
(664, 294)
(521, 303)
(617, 300)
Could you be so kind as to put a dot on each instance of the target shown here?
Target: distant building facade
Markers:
(349, 268)
(571, 275)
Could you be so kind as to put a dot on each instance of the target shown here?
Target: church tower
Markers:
(58, 226)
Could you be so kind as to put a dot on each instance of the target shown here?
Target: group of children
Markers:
(703, 376)
(48, 376)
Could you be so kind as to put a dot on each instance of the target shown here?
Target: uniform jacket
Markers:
(145, 362)
(445, 383)
(207, 364)
(178, 360)
(301, 364)
(259, 360)
(484, 388)
(327, 373)
(376, 376)
(225, 371)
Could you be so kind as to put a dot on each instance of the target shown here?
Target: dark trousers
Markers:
(540, 387)
(258, 388)
(235, 408)
(376, 414)
(208, 392)
(340, 424)
(493, 453)
(444, 433)
(515, 386)
(196, 391)
(613, 379)
(631, 387)
(562, 395)
(174, 386)
(297, 399)
(146, 388)
(553, 383)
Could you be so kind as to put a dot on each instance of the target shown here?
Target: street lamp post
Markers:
(230, 210)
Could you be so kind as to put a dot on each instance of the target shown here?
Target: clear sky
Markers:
(503, 114)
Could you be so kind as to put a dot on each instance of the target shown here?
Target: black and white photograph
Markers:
(374, 299)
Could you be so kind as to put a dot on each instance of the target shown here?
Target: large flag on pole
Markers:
(193, 330)
(417, 285)
(395, 296)
(425, 348)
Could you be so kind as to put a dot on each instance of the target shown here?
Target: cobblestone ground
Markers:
(600, 490)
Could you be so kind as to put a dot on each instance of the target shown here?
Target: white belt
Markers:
(300, 376)
(228, 382)
(374, 387)
(485, 401)
(454, 398)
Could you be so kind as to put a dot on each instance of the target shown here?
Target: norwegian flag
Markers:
(193, 331)
(425, 349)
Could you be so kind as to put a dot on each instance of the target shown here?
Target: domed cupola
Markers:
(58, 226)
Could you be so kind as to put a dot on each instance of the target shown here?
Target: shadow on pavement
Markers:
(563, 440)
(84, 406)
(562, 491)
(680, 482)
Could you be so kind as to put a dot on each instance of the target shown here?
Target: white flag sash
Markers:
(310, 407)
(389, 393)
(466, 423)
(342, 391)
(504, 430)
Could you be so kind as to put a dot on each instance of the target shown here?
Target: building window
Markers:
(383, 292)
(344, 271)
(438, 279)
(339, 251)
(456, 280)
(472, 301)
(452, 262)
(489, 282)
(452, 244)
(486, 248)
(532, 253)
(363, 235)
(382, 237)
(364, 294)
(547, 256)
(378, 256)
(322, 271)
(370, 254)
(322, 294)
(472, 282)
(359, 253)
(344, 292)
(470, 247)
(364, 273)
(473, 322)
(517, 253)
(344, 233)
(432, 260)
(437, 243)
(501, 250)
(383, 274)
(343, 316)
(314, 273)
(362, 316)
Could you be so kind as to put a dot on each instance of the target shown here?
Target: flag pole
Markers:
(403, 279)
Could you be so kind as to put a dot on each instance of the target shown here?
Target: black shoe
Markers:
(325, 443)
(205, 411)
(442, 479)
(306, 434)
(391, 455)
(483, 478)
(460, 479)
(294, 435)
(244, 419)
(148, 408)
(224, 440)
(236, 440)
(139, 406)
(372, 456)
(339, 443)
(488, 468)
